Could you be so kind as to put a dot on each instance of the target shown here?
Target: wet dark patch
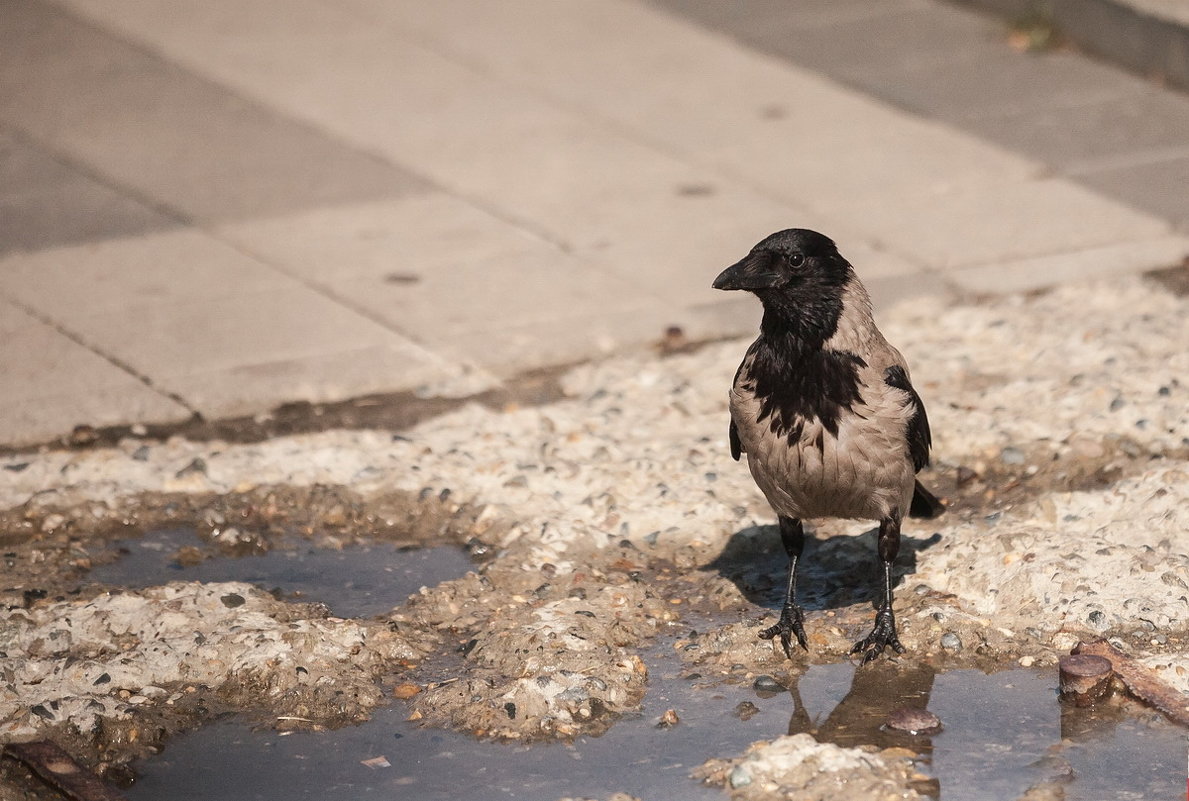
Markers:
(394, 411)
(1003, 734)
(357, 581)
(49, 552)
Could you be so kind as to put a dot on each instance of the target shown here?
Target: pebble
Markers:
(913, 721)
(1011, 455)
(739, 777)
(197, 466)
(744, 710)
(1098, 620)
(406, 690)
(964, 476)
(52, 522)
(951, 641)
(668, 720)
(766, 684)
(1085, 678)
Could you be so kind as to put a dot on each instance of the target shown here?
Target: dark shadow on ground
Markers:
(834, 572)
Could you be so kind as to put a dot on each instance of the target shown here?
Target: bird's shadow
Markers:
(833, 571)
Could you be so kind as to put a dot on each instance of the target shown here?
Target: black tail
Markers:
(924, 503)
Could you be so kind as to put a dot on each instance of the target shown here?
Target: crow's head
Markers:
(799, 276)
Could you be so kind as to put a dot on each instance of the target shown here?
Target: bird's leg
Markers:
(884, 633)
(791, 622)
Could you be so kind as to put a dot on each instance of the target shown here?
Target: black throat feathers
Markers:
(798, 385)
(794, 377)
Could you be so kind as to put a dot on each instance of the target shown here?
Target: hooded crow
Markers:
(823, 407)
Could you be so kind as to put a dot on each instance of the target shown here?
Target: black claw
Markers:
(792, 622)
(881, 637)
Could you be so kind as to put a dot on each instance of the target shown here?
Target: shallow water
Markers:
(359, 581)
(1003, 732)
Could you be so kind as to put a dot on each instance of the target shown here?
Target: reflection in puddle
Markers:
(1003, 734)
(358, 581)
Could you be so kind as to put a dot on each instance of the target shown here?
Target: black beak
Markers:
(754, 271)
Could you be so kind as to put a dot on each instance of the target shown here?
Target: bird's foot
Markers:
(792, 622)
(882, 636)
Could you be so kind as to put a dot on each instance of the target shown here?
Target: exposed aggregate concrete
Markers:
(798, 768)
(1061, 439)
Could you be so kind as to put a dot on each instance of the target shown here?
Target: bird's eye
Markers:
(796, 259)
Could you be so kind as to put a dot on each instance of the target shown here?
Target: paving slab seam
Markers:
(666, 149)
(307, 122)
(328, 292)
(1125, 160)
(111, 359)
(87, 170)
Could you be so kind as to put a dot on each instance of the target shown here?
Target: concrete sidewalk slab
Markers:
(214, 326)
(285, 323)
(117, 276)
(45, 202)
(340, 198)
(49, 384)
(177, 140)
(458, 279)
(1157, 187)
(958, 201)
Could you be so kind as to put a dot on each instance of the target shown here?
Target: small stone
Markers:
(1027, 661)
(951, 641)
(406, 690)
(1085, 678)
(1011, 455)
(82, 436)
(668, 720)
(141, 454)
(766, 684)
(913, 720)
(739, 777)
(232, 599)
(52, 522)
(745, 710)
(1098, 620)
(964, 476)
(197, 466)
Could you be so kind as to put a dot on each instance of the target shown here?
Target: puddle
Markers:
(359, 581)
(1003, 733)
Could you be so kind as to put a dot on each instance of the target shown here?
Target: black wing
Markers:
(919, 438)
(736, 445)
